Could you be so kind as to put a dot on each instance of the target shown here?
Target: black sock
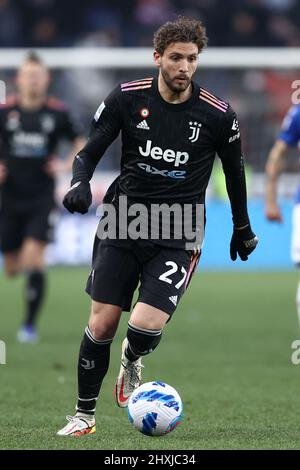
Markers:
(141, 342)
(93, 365)
(35, 288)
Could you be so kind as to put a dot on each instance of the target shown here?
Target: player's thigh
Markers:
(104, 320)
(114, 275)
(11, 234)
(165, 278)
(41, 222)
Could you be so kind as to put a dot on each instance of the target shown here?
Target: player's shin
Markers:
(34, 295)
(141, 342)
(93, 364)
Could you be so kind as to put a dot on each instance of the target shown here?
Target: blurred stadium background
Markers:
(109, 42)
(252, 60)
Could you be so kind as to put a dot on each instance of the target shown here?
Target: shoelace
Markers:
(72, 419)
(134, 371)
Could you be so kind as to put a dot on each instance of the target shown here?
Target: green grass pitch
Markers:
(227, 351)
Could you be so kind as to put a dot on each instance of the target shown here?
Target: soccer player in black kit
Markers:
(171, 130)
(31, 125)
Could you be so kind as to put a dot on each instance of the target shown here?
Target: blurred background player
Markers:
(288, 137)
(31, 126)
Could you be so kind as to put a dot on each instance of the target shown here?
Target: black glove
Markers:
(78, 198)
(243, 242)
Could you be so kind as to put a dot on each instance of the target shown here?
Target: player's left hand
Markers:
(78, 198)
(243, 242)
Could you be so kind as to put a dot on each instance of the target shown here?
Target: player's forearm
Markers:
(237, 193)
(233, 167)
(87, 159)
(78, 144)
(274, 168)
(271, 191)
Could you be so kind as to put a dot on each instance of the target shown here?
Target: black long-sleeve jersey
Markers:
(27, 141)
(168, 149)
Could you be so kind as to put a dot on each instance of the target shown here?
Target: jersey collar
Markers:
(179, 106)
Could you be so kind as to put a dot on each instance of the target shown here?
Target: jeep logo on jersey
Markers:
(168, 155)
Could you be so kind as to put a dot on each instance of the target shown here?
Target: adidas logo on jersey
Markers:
(173, 299)
(143, 125)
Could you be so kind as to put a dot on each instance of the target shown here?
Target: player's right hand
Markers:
(273, 213)
(55, 166)
(78, 198)
(243, 242)
(3, 172)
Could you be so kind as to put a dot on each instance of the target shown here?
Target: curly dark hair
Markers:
(183, 29)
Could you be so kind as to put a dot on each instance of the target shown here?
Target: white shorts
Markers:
(295, 240)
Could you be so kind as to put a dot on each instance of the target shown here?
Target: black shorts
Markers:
(36, 222)
(164, 274)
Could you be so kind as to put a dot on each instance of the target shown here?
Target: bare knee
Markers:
(11, 265)
(104, 320)
(100, 329)
(11, 271)
(146, 324)
(148, 317)
(32, 255)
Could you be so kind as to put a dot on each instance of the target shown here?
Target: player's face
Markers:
(32, 79)
(178, 65)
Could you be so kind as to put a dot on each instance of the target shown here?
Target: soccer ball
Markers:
(155, 408)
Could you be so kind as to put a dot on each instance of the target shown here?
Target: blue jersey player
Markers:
(288, 137)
